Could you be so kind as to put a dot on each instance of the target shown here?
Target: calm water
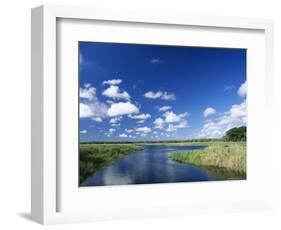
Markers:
(151, 165)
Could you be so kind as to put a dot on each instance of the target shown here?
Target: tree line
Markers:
(236, 134)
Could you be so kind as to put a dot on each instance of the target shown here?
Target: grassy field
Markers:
(217, 158)
(95, 156)
(183, 143)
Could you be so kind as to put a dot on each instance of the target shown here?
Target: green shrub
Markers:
(236, 134)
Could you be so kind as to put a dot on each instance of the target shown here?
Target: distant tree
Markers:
(236, 134)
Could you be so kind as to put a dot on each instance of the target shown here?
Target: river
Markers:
(148, 166)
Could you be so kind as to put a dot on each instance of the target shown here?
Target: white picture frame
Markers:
(46, 181)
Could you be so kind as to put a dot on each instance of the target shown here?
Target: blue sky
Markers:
(134, 92)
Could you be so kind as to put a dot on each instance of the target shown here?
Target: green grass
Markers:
(94, 156)
(229, 156)
(184, 143)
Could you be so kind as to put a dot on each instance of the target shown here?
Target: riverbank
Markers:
(183, 143)
(225, 155)
(94, 156)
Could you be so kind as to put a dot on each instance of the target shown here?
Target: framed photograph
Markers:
(140, 114)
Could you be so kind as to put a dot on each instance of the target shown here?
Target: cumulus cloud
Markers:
(152, 95)
(171, 117)
(112, 82)
(242, 91)
(90, 106)
(115, 120)
(140, 121)
(109, 101)
(83, 131)
(129, 130)
(144, 129)
(164, 108)
(80, 58)
(236, 116)
(85, 110)
(155, 60)
(93, 109)
(171, 122)
(159, 123)
(88, 92)
(114, 92)
(115, 125)
(123, 135)
(111, 130)
(172, 127)
(122, 108)
(141, 116)
(160, 95)
(229, 87)
(168, 96)
(97, 119)
(209, 111)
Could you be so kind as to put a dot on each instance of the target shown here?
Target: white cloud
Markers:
(171, 128)
(140, 121)
(123, 135)
(229, 87)
(143, 135)
(129, 130)
(236, 116)
(112, 82)
(160, 95)
(99, 109)
(115, 120)
(87, 85)
(88, 92)
(152, 95)
(80, 58)
(109, 102)
(156, 61)
(168, 96)
(159, 123)
(111, 130)
(97, 119)
(171, 117)
(242, 91)
(180, 125)
(122, 108)
(83, 131)
(93, 109)
(91, 106)
(164, 108)
(172, 121)
(115, 125)
(85, 110)
(209, 111)
(141, 116)
(114, 92)
(144, 129)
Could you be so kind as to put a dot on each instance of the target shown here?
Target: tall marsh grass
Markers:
(94, 156)
(227, 155)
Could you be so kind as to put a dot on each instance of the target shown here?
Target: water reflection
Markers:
(224, 173)
(151, 165)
